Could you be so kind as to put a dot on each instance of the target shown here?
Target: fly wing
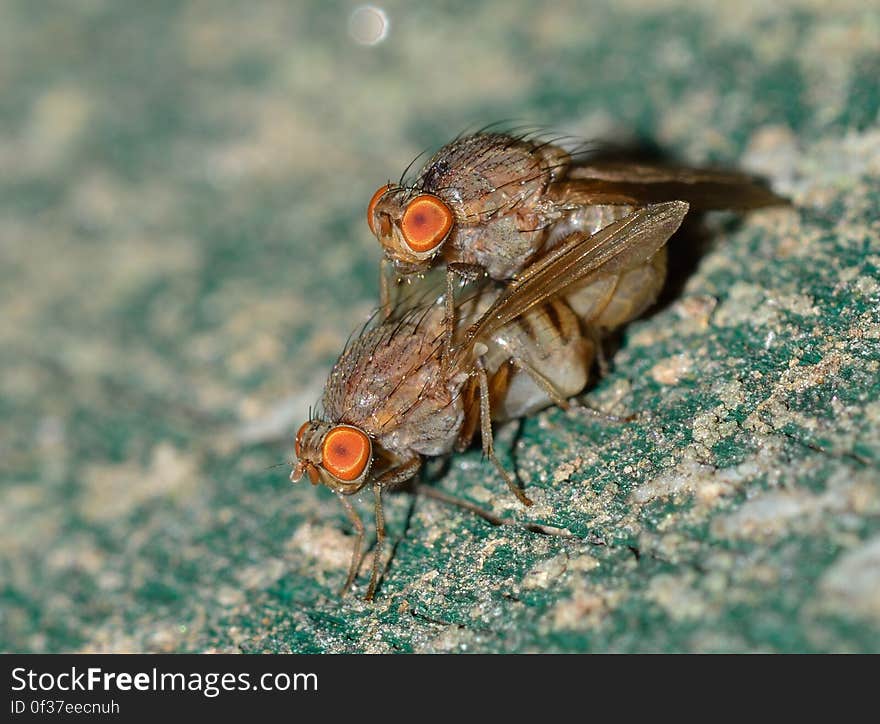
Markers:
(636, 184)
(414, 291)
(619, 246)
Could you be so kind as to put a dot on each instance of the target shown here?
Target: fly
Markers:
(492, 203)
(401, 391)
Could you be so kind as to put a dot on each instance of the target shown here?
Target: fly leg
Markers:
(385, 288)
(595, 335)
(606, 417)
(448, 319)
(356, 554)
(388, 479)
(556, 397)
(380, 541)
(467, 505)
(468, 272)
(471, 407)
(486, 435)
(488, 516)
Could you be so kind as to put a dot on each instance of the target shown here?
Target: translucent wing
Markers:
(620, 245)
(636, 184)
(413, 291)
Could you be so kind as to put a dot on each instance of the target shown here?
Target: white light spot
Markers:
(368, 25)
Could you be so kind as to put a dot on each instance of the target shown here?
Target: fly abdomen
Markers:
(585, 218)
(615, 299)
(537, 360)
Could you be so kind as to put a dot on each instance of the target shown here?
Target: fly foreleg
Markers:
(388, 479)
(356, 554)
(384, 288)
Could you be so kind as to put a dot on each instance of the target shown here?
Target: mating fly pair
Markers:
(561, 252)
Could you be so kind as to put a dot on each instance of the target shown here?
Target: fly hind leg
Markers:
(556, 396)
(488, 516)
(486, 435)
(594, 334)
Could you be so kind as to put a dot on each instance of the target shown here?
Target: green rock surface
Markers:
(184, 253)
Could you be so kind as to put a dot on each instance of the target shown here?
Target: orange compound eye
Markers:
(297, 446)
(346, 452)
(426, 222)
(372, 206)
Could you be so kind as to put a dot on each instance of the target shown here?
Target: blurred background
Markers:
(183, 254)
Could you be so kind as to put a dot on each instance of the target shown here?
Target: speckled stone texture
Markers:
(183, 253)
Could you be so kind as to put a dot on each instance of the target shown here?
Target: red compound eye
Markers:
(346, 452)
(372, 206)
(426, 222)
